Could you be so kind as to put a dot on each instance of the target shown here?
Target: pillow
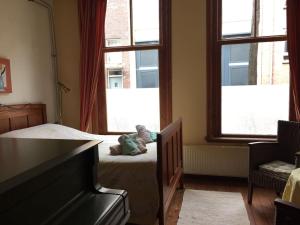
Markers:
(277, 168)
(115, 150)
(153, 136)
(141, 144)
(131, 146)
(133, 135)
(144, 133)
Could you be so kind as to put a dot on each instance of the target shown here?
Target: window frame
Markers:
(213, 51)
(99, 124)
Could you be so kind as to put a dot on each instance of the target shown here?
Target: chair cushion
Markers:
(277, 169)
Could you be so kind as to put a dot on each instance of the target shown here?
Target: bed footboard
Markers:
(169, 162)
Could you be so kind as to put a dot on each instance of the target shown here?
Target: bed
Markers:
(151, 179)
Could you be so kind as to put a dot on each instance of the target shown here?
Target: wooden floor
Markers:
(261, 212)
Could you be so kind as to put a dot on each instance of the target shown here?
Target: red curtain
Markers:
(293, 36)
(91, 21)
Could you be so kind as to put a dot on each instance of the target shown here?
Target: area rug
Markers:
(212, 208)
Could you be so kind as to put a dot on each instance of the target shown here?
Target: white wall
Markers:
(68, 55)
(189, 68)
(25, 40)
(190, 92)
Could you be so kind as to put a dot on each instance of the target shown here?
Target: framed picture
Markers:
(5, 79)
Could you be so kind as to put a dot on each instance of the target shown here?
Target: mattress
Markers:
(135, 174)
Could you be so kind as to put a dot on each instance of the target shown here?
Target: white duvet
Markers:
(136, 174)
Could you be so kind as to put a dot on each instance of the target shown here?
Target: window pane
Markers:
(133, 97)
(117, 23)
(255, 88)
(271, 17)
(237, 18)
(114, 58)
(145, 21)
(115, 82)
(115, 78)
(147, 69)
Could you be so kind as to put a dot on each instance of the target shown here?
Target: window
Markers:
(136, 61)
(113, 42)
(285, 53)
(248, 83)
(147, 69)
(115, 78)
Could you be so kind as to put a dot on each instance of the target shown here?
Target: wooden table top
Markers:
(22, 159)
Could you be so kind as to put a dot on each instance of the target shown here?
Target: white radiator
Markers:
(216, 160)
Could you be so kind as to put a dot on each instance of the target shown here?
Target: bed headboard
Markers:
(14, 117)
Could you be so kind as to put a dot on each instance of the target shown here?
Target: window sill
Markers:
(240, 139)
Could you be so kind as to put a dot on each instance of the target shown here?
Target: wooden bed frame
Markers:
(169, 148)
(169, 166)
(14, 117)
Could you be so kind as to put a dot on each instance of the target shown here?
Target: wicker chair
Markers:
(285, 149)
